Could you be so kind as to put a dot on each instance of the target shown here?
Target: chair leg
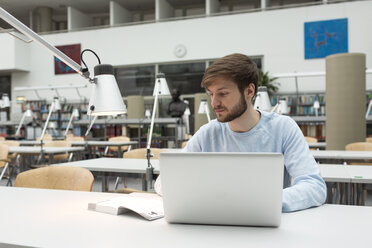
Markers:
(117, 182)
(70, 157)
(3, 172)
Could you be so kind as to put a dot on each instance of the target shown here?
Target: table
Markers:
(320, 145)
(115, 166)
(119, 144)
(342, 155)
(58, 218)
(51, 151)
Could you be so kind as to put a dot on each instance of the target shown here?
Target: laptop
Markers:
(222, 188)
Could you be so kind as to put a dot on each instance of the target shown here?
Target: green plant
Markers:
(265, 80)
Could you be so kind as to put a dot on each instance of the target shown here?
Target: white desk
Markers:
(342, 155)
(335, 173)
(56, 218)
(51, 151)
(115, 166)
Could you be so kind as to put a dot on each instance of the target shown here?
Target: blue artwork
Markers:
(323, 38)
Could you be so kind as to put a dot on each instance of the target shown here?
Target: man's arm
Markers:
(308, 188)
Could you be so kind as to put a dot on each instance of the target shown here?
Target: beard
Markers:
(236, 111)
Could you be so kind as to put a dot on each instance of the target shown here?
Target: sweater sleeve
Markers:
(308, 188)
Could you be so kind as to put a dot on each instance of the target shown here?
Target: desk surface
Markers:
(119, 165)
(56, 218)
(335, 173)
(334, 154)
(46, 150)
(82, 143)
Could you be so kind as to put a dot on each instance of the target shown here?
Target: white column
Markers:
(265, 4)
(163, 10)
(212, 6)
(119, 14)
(77, 19)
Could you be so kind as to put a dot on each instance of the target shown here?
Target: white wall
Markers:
(14, 54)
(277, 35)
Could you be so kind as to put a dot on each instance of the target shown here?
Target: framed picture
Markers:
(72, 51)
(323, 38)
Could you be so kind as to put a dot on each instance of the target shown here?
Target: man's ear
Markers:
(249, 91)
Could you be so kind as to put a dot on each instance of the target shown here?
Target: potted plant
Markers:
(265, 80)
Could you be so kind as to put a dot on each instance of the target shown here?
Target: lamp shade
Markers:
(57, 104)
(316, 104)
(6, 102)
(203, 107)
(105, 98)
(161, 85)
(283, 107)
(75, 112)
(262, 101)
(28, 113)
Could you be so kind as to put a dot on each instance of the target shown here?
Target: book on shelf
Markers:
(147, 205)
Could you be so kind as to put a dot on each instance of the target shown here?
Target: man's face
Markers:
(227, 101)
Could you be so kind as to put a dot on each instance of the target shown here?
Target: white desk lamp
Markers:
(262, 101)
(90, 126)
(204, 109)
(185, 117)
(160, 89)
(27, 113)
(53, 107)
(281, 107)
(74, 114)
(106, 98)
(148, 113)
(369, 108)
(316, 106)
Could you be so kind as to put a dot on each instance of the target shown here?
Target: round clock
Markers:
(180, 51)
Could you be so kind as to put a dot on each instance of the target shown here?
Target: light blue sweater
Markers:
(273, 133)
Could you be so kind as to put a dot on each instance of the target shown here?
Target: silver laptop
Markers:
(222, 188)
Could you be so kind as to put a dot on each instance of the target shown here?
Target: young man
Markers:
(231, 83)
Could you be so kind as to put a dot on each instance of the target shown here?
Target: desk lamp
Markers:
(53, 107)
(369, 108)
(316, 105)
(75, 113)
(90, 126)
(160, 89)
(185, 116)
(281, 107)
(204, 109)
(106, 98)
(262, 101)
(27, 113)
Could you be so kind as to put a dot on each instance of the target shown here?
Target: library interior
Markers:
(201, 123)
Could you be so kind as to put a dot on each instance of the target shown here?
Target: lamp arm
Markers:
(69, 124)
(90, 126)
(369, 108)
(46, 122)
(275, 109)
(32, 35)
(20, 124)
(207, 112)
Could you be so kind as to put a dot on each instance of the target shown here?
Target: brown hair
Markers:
(237, 67)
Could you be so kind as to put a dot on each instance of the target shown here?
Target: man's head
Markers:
(232, 83)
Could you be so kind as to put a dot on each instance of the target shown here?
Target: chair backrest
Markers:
(69, 135)
(359, 146)
(56, 177)
(369, 139)
(10, 142)
(119, 138)
(311, 139)
(2, 138)
(75, 138)
(58, 143)
(47, 137)
(141, 153)
(184, 144)
(4, 149)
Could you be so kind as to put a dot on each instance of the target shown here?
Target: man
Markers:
(231, 83)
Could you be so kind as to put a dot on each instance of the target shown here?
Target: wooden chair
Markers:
(47, 137)
(12, 157)
(56, 177)
(183, 145)
(311, 139)
(141, 153)
(74, 138)
(111, 150)
(359, 146)
(369, 139)
(137, 154)
(59, 143)
(4, 160)
(2, 138)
